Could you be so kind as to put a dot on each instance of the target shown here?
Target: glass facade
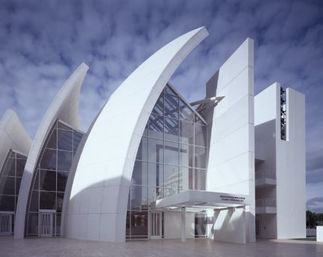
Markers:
(10, 179)
(50, 177)
(171, 158)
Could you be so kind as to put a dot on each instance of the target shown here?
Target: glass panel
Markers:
(156, 128)
(18, 182)
(47, 200)
(32, 224)
(48, 160)
(33, 206)
(199, 179)
(8, 167)
(200, 135)
(47, 180)
(171, 179)
(139, 175)
(171, 128)
(155, 174)
(170, 104)
(52, 140)
(77, 137)
(155, 150)
(7, 203)
(128, 232)
(61, 180)
(171, 154)
(186, 132)
(60, 199)
(20, 167)
(138, 197)
(64, 160)
(139, 224)
(142, 153)
(183, 178)
(65, 139)
(185, 154)
(158, 109)
(58, 223)
(185, 113)
(7, 186)
(200, 157)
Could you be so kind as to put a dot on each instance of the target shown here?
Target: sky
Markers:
(42, 42)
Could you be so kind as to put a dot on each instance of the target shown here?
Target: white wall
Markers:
(284, 158)
(172, 225)
(12, 136)
(230, 225)
(231, 149)
(290, 171)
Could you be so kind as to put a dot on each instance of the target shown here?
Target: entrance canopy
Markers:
(202, 199)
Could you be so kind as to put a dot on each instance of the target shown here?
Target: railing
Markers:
(266, 202)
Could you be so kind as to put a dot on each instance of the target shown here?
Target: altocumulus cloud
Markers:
(41, 42)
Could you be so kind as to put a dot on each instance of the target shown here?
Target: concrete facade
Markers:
(280, 201)
(218, 168)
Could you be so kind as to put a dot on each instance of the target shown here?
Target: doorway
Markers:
(156, 225)
(46, 223)
(6, 223)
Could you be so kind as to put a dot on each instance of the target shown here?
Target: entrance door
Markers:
(46, 223)
(156, 225)
(6, 223)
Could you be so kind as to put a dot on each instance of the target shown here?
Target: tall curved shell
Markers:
(99, 194)
(12, 136)
(65, 106)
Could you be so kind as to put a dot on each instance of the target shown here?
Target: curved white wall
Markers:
(64, 107)
(98, 201)
(12, 136)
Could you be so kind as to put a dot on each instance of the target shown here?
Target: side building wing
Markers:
(99, 195)
(64, 107)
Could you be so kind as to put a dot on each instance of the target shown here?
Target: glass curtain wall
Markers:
(171, 158)
(10, 179)
(50, 177)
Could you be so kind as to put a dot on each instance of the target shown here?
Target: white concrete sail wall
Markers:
(65, 107)
(99, 196)
(12, 136)
(290, 171)
(231, 150)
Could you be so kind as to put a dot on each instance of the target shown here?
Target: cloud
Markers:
(43, 41)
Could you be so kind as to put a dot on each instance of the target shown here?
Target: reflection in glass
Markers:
(166, 160)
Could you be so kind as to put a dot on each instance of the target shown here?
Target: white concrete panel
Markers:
(111, 146)
(12, 136)
(172, 225)
(231, 150)
(291, 220)
(229, 226)
(64, 107)
(266, 103)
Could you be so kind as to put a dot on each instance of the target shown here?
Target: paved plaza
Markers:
(60, 247)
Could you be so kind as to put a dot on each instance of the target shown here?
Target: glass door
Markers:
(6, 219)
(46, 223)
(156, 225)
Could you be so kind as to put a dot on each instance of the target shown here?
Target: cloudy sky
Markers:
(41, 42)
